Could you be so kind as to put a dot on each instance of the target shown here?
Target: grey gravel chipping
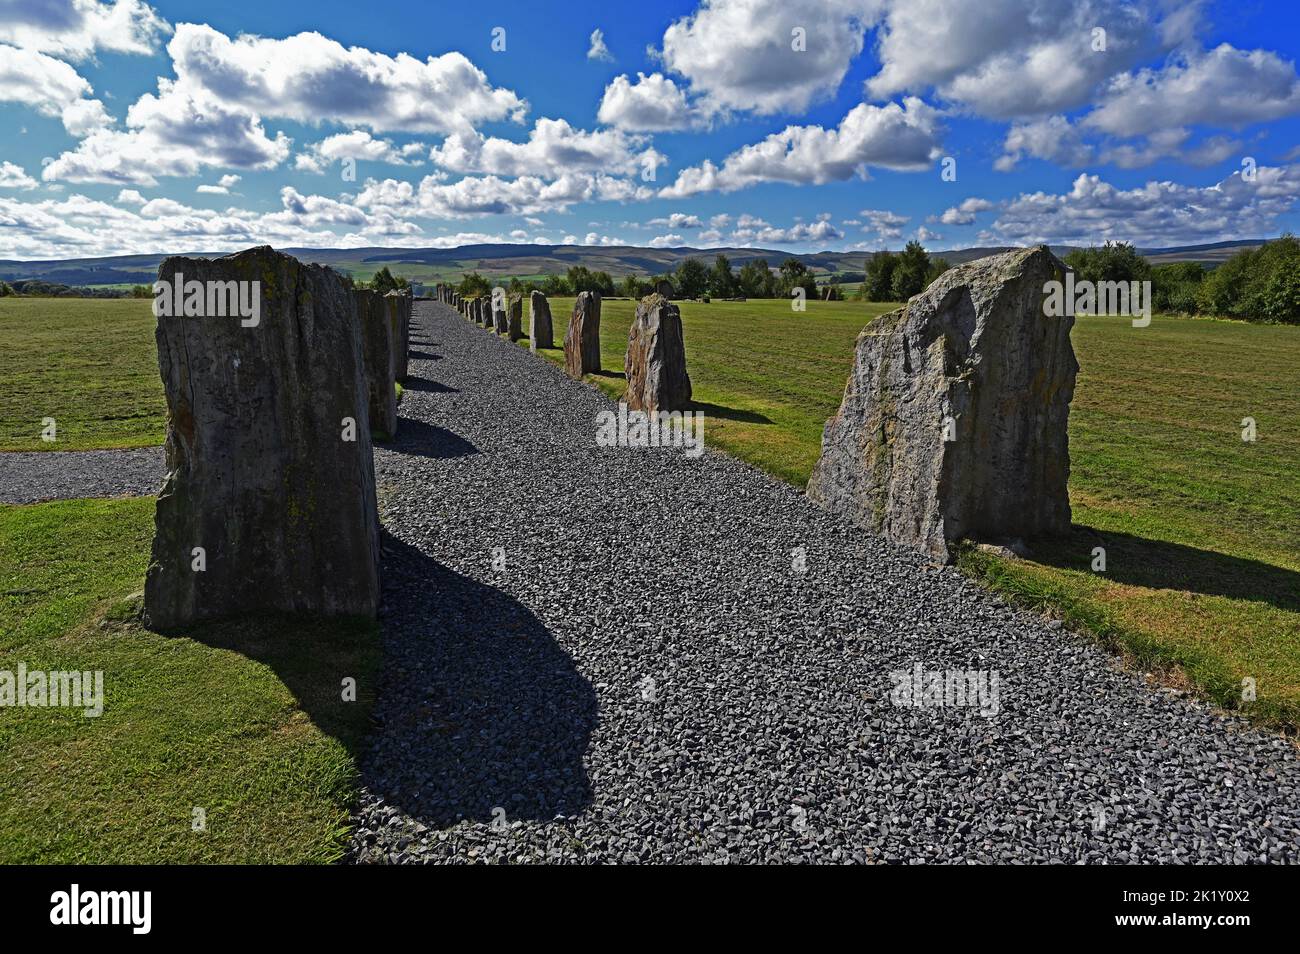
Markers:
(610, 655)
(28, 477)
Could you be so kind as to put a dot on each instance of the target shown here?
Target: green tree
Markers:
(556, 286)
(937, 267)
(384, 282)
(692, 278)
(878, 282)
(722, 283)
(910, 271)
(474, 285)
(6, 290)
(795, 274)
(1112, 262)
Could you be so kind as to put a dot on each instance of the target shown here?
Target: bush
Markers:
(1257, 284)
(1176, 287)
(5, 290)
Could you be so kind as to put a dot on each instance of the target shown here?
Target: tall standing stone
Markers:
(379, 350)
(655, 363)
(269, 500)
(540, 334)
(953, 422)
(516, 317)
(399, 316)
(500, 320)
(582, 340)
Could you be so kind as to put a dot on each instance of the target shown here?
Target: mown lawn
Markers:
(1199, 527)
(245, 721)
(91, 364)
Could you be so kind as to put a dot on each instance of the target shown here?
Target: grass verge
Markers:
(244, 721)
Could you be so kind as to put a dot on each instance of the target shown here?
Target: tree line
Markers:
(1256, 284)
(692, 278)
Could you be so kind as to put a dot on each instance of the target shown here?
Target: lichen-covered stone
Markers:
(582, 340)
(655, 363)
(953, 422)
(540, 334)
(379, 351)
(259, 475)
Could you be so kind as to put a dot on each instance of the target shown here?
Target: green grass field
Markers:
(92, 365)
(1203, 561)
(243, 720)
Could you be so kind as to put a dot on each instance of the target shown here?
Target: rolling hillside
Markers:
(437, 264)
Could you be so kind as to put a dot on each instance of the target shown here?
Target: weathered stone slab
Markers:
(953, 423)
(582, 340)
(379, 352)
(655, 362)
(399, 315)
(515, 326)
(540, 334)
(269, 500)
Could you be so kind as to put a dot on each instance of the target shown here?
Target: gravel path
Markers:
(28, 477)
(650, 679)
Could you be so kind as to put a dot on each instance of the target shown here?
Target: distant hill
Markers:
(524, 261)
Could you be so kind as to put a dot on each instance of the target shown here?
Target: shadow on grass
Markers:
(421, 439)
(1155, 564)
(607, 373)
(730, 413)
(486, 709)
(311, 657)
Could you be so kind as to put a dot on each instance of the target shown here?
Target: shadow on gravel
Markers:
(421, 439)
(729, 413)
(425, 355)
(424, 384)
(1155, 564)
(480, 708)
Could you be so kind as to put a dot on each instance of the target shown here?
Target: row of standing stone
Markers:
(655, 362)
(269, 503)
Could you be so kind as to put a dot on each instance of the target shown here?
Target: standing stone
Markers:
(399, 316)
(500, 320)
(379, 351)
(953, 422)
(539, 322)
(269, 463)
(655, 363)
(516, 317)
(582, 340)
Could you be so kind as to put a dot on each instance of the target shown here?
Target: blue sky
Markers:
(794, 124)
